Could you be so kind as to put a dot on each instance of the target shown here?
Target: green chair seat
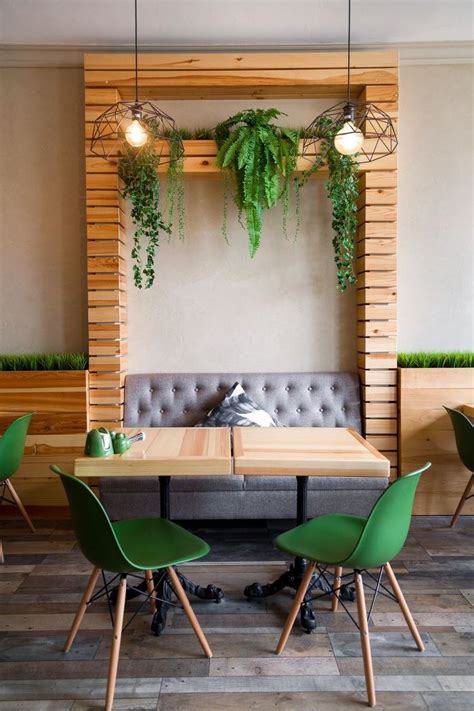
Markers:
(328, 539)
(152, 543)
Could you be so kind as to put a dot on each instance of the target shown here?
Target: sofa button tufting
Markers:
(321, 409)
(162, 411)
(264, 389)
(173, 390)
(343, 409)
(298, 409)
(185, 412)
(310, 388)
(275, 410)
(151, 390)
(332, 388)
(287, 388)
(139, 412)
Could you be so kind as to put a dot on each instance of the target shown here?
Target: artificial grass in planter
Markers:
(44, 361)
(454, 359)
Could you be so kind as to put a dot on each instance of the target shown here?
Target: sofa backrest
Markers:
(296, 399)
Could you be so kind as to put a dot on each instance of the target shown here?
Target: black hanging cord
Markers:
(348, 51)
(136, 53)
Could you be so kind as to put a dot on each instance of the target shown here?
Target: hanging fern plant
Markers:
(262, 157)
(342, 189)
(141, 185)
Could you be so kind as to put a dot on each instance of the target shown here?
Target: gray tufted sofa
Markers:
(296, 399)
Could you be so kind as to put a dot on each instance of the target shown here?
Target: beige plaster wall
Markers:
(435, 229)
(212, 307)
(42, 236)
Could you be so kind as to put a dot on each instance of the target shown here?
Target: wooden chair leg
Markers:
(150, 586)
(116, 640)
(462, 501)
(2, 558)
(337, 584)
(365, 639)
(18, 502)
(178, 588)
(404, 607)
(82, 608)
(290, 620)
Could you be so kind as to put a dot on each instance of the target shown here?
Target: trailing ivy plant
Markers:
(342, 190)
(262, 157)
(141, 185)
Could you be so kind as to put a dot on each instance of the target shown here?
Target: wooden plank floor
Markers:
(44, 574)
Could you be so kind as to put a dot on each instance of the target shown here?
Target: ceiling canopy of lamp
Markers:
(357, 128)
(135, 124)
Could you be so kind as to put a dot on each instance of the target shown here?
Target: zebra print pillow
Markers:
(237, 409)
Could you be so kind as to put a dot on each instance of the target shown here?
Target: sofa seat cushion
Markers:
(147, 484)
(315, 483)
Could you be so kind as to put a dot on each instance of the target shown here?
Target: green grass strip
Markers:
(44, 361)
(455, 359)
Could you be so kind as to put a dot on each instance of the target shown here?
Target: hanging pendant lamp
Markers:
(356, 127)
(135, 124)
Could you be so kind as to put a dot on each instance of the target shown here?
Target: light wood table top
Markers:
(174, 451)
(305, 451)
(468, 410)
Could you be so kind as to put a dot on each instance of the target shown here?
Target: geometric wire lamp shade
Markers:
(356, 118)
(109, 137)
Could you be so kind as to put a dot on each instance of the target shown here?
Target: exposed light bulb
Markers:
(349, 139)
(136, 134)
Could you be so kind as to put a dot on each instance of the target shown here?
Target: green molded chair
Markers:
(357, 543)
(12, 448)
(464, 433)
(136, 546)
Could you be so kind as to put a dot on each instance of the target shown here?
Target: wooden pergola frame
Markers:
(252, 76)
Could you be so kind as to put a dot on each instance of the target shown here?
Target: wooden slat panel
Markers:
(107, 331)
(377, 262)
(107, 298)
(382, 361)
(377, 213)
(376, 312)
(107, 314)
(376, 345)
(239, 60)
(378, 377)
(385, 426)
(367, 329)
(378, 179)
(107, 396)
(106, 265)
(380, 409)
(379, 393)
(378, 230)
(379, 295)
(377, 196)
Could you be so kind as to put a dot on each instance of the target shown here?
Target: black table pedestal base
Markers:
(292, 578)
(164, 591)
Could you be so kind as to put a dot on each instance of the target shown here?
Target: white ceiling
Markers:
(232, 23)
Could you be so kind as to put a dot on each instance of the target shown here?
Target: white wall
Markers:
(436, 245)
(212, 307)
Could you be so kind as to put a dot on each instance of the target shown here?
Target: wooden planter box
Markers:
(426, 434)
(59, 399)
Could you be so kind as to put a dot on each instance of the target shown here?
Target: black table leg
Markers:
(164, 589)
(292, 577)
